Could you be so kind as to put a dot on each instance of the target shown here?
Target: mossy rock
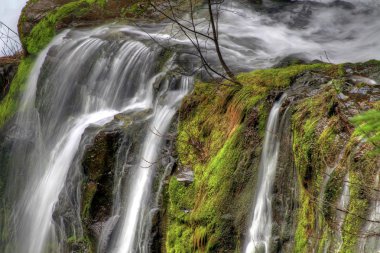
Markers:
(220, 137)
(97, 188)
(41, 20)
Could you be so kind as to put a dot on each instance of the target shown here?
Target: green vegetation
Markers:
(9, 104)
(220, 134)
(368, 126)
(323, 139)
(315, 146)
(362, 167)
(45, 30)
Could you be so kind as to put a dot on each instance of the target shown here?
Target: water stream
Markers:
(343, 204)
(371, 242)
(107, 77)
(261, 228)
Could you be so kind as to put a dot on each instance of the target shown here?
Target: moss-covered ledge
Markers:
(220, 137)
(40, 20)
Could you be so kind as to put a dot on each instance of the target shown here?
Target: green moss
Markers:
(220, 133)
(89, 193)
(363, 166)
(333, 189)
(315, 146)
(136, 9)
(207, 230)
(352, 223)
(321, 141)
(9, 104)
(282, 77)
(368, 126)
(45, 30)
(305, 226)
(181, 202)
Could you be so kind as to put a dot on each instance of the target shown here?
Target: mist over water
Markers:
(331, 31)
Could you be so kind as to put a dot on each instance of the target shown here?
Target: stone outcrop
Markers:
(8, 69)
(220, 139)
(99, 170)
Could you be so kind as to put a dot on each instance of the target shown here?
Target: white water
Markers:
(39, 204)
(126, 240)
(371, 243)
(261, 228)
(343, 204)
(53, 117)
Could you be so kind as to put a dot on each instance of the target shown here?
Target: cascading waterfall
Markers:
(126, 240)
(84, 78)
(343, 203)
(261, 228)
(107, 77)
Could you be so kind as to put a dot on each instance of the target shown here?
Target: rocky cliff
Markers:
(319, 149)
(326, 185)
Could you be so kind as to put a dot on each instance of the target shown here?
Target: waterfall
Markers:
(370, 242)
(81, 80)
(126, 239)
(85, 78)
(343, 204)
(261, 228)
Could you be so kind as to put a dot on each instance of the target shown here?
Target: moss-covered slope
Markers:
(328, 151)
(220, 137)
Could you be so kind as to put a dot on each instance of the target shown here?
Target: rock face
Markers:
(97, 192)
(220, 139)
(206, 203)
(329, 153)
(8, 70)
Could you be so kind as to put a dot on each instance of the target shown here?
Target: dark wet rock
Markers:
(166, 167)
(98, 165)
(7, 72)
(185, 175)
(360, 91)
(107, 228)
(285, 193)
(310, 79)
(290, 60)
(341, 96)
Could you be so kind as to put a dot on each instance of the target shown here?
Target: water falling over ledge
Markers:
(108, 77)
(261, 229)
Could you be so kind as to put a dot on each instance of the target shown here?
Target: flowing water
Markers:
(261, 228)
(85, 78)
(126, 239)
(343, 205)
(371, 242)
